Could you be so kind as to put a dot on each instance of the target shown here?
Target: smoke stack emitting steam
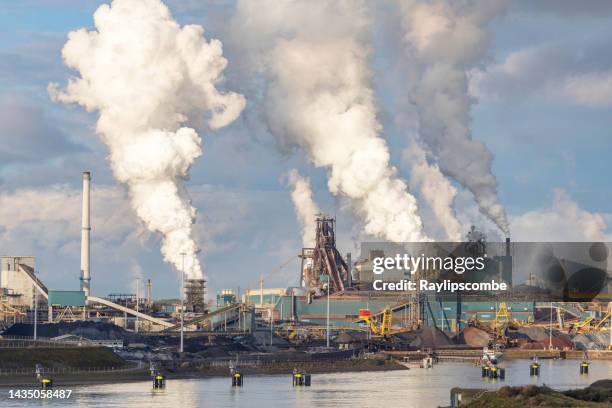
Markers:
(443, 39)
(145, 75)
(305, 207)
(320, 97)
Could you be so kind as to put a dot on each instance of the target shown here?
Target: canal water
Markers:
(400, 388)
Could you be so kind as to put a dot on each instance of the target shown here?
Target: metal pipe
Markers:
(85, 236)
(261, 291)
(349, 278)
(327, 330)
(137, 310)
(550, 329)
(271, 326)
(35, 308)
(182, 301)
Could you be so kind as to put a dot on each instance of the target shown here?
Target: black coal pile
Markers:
(86, 329)
(218, 347)
(431, 337)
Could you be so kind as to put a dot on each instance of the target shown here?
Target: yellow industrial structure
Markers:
(6, 310)
(384, 328)
(502, 316)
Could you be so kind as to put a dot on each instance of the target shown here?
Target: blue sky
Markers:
(552, 148)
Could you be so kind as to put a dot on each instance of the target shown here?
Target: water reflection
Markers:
(414, 388)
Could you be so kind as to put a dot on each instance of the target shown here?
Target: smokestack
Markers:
(507, 246)
(86, 229)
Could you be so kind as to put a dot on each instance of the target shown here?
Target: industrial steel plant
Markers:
(306, 189)
(334, 303)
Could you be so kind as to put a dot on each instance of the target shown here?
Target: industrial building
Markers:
(332, 292)
(18, 281)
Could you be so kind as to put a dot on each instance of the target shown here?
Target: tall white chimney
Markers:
(86, 229)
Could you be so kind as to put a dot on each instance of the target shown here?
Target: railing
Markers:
(38, 338)
(28, 341)
(224, 363)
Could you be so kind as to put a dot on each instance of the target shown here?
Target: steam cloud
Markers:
(443, 39)
(319, 97)
(305, 206)
(436, 190)
(145, 75)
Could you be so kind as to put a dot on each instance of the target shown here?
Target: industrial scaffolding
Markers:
(325, 259)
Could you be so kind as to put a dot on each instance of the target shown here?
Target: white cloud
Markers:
(559, 73)
(51, 216)
(592, 89)
(563, 221)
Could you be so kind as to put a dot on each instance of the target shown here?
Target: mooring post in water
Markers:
(485, 371)
(301, 379)
(237, 379)
(159, 381)
(493, 372)
(584, 368)
(46, 383)
(298, 379)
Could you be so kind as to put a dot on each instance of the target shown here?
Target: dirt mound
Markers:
(431, 337)
(473, 337)
(558, 341)
(350, 338)
(532, 333)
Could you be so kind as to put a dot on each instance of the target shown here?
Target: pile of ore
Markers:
(473, 337)
(87, 329)
(431, 337)
(591, 341)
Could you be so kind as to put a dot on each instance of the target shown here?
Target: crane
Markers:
(384, 329)
(582, 326)
(502, 315)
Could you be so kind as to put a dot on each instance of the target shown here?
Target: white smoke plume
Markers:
(305, 207)
(443, 39)
(435, 189)
(145, 75)
(319, 96)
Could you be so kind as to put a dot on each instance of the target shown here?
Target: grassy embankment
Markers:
(598, 394)
(70, 357)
